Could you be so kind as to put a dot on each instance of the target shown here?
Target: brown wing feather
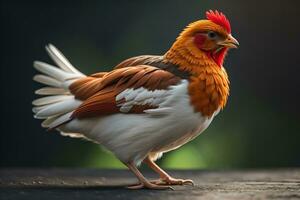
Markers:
(99, 91)
(156, 61)
(140, 60)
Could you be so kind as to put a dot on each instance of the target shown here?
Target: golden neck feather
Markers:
(189, 61)
(209, 84)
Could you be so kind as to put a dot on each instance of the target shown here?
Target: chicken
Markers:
(147, 105)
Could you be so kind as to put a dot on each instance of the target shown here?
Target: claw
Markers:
(189, 182)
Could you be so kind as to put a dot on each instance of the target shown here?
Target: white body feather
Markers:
(131, 137)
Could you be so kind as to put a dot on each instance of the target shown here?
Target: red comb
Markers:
(219, 18)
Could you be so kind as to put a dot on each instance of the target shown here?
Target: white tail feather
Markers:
(38, 108)
(59, 108)
(48, 121)
(51, 91)
(61, 60)
(47, 80)
(54, 72)
(60, 120)
(51, 99)
(58, 104)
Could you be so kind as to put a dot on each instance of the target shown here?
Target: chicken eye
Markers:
(212, 35)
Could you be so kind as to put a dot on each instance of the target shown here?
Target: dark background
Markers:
(258, 128)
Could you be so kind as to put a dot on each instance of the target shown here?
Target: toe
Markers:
(158, 182)
(173, 181)
(135, 187)
(158, 187)
(188, 182)
(149, 186)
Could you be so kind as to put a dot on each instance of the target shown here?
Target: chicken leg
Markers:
(144, 183)
(165, 179)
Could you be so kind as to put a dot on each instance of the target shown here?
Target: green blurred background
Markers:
(259, 128)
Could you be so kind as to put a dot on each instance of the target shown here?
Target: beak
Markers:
(229, 42)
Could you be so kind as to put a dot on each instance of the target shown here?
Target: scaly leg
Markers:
(144, 183)
(165, 179)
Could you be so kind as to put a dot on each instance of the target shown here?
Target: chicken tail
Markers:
(57, 105)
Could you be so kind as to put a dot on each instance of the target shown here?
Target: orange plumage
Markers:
(147, 105)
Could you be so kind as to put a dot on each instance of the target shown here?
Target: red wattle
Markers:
(219, 56)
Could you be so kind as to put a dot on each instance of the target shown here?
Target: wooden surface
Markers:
(109, 184)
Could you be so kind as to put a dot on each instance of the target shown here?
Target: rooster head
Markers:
(211, 36)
